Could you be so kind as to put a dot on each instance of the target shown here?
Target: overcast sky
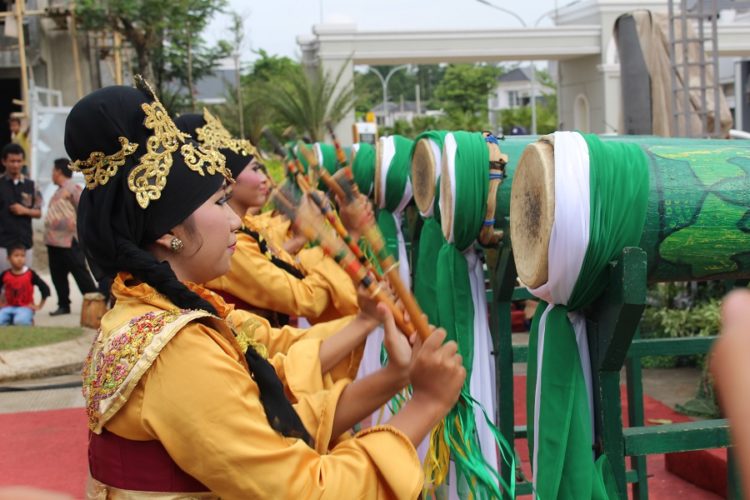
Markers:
(273, 25)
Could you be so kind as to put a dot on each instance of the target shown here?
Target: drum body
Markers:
(698, 218)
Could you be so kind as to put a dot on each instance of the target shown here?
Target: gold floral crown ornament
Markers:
(214, 135)
(98, 168)
(149, 177)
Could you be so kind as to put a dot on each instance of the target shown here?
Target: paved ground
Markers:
(47, 393)
(42, 318)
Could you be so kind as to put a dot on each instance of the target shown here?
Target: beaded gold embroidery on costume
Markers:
(98, 168)
(116, 363)
(213, 135)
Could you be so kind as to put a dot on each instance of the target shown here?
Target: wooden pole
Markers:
(190, 70)
(240, 104)
(76, 54)
(19, 7)
(117, 47)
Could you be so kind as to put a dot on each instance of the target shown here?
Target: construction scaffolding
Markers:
(697, 102)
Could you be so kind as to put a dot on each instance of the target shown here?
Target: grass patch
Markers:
(18, 337)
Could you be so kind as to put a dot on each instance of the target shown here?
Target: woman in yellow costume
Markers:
(264, 277)
(177, 407)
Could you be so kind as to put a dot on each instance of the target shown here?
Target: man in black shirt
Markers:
(20, 201)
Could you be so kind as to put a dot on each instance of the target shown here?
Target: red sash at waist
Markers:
(137, 465)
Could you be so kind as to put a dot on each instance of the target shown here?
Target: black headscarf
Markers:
(237, 152)
(107, 136)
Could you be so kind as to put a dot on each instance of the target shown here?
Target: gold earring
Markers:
(176, 244)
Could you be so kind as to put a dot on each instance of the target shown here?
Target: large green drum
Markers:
(698, 219)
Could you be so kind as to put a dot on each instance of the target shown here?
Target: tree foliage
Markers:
(465, 87)
(163, 35)
(546, 110)
(309, 99)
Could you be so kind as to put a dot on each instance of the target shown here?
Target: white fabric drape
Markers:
(567, 249)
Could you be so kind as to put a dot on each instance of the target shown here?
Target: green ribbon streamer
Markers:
(363, 168)
(619, 185)
(395, 185)
(456, 315)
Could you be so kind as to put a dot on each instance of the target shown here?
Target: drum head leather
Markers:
(423, 175)
(532, 212)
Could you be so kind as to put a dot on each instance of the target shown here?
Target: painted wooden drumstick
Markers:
(327, 179)
(340, 154)
(388, 264)
(294, 168)
(312, 228)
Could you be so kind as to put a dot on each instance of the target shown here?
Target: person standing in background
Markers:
(65, 256)
(20, 201)
(19, 135)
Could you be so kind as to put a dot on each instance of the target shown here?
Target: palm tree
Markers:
(256, 113)
(308, 101)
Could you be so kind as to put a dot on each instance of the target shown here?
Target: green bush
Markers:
(686, 310)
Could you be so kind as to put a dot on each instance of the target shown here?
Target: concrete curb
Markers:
(47, 360)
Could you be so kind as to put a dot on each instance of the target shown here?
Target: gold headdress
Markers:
(149, 177)
(214, 135)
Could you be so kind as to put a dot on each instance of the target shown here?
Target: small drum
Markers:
(93, 308)
(494, 170)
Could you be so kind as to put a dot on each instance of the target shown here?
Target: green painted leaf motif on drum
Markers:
(736, 190)
(715, 229)
(700, 214)
(679, 207)
(710, 165)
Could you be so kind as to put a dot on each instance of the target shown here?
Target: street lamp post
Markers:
(384, 83)
(533, 67)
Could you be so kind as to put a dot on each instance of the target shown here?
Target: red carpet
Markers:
(45, 449)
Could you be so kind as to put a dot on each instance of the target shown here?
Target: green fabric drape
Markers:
(329, 163)
(295, 146)
(388, 227)
(618, 200)
(472, 183)
(396, 180)
(363, 168)
(431, 239)
(455, 313)
(398, 173)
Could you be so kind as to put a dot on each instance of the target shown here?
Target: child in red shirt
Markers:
(18, 284)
